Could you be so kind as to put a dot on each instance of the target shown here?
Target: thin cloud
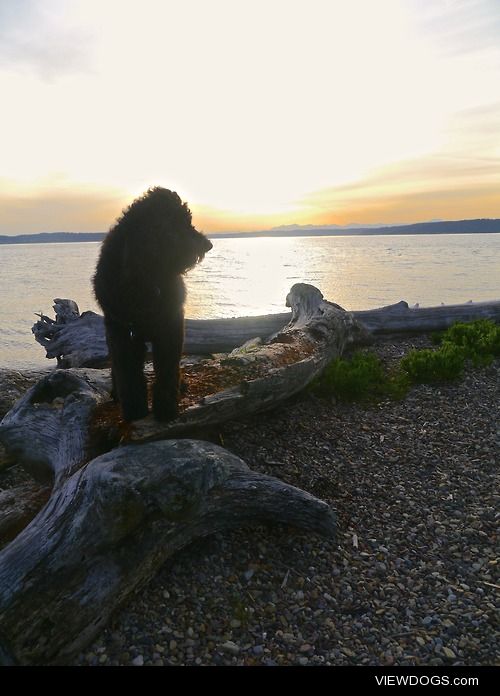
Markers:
(466, 169)
(460, 26)
(35, 38)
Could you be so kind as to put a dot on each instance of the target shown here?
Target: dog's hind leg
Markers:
(128, 352)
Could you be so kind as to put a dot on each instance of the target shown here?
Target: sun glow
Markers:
(248, 110)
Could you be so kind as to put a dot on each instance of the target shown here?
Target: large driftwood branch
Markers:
(79, 340)
(110, 527)
(402, 319)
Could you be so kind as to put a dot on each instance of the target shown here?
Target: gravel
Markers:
(411, 578)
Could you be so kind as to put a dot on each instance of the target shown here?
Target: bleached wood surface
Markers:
(81, 341)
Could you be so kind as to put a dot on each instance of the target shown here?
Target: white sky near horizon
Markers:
(258, 113)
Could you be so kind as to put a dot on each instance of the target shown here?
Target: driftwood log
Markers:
(112, 524)
(117, 509)
(79, 340)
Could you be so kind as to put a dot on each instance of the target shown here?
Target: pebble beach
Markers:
(411, 577)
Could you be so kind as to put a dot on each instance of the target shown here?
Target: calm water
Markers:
(252, 276)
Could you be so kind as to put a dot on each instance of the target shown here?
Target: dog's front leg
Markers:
(129, 384)
(167, 351)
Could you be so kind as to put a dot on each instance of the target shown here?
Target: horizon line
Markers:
(291, 230)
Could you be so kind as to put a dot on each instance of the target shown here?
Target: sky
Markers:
(259, 114)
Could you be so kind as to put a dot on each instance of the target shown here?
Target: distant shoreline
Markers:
(479, 226)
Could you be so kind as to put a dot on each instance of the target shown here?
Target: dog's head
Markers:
(163, 223)
(192, 249)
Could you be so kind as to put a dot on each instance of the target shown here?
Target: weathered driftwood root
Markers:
(47, 429)
(110, 527)
(18, 506)
(79, 340)
(15, 383)
(74, 339)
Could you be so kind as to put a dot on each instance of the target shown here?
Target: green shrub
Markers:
(446, 363)
(479, 340)
(361, 378)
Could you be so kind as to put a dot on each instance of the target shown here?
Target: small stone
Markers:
(234, 623)
(230, 647)
(427, 620)
(303, 661)
(138, 661)
(258, 649)
(449, 653)
(268, 662)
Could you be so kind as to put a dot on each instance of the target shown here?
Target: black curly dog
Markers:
(138, 283)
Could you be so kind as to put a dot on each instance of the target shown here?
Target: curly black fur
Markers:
(138, 283)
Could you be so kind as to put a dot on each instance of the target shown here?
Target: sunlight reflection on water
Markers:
(253, 276)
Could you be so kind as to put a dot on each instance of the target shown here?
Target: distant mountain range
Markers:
(434, 227)
(52, 237)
